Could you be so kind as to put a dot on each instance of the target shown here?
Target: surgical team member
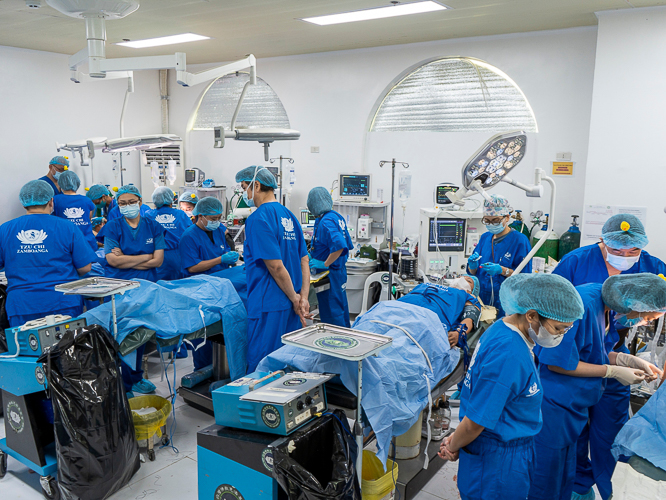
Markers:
(573, 374)
(500, 405)
(174, 222)
(115, 213)
(330, 248)
(76, 208)
(620, 251)
(203, 247)
(187, 201)
(39, 251)
(276, 262)
(101, 197)
(57, 166)
(498, 252)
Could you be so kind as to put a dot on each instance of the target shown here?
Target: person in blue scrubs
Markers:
(101, 197)
(115, 213)
(134, 248)
(500, 405)
(574, 374)
(39, 251)
(187, 201)
(620, 251)
(57, 166)
(75, 208)
(276, 262)
(498, 253)
(174, 222)
(330, 248)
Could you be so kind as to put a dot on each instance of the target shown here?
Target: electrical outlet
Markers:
(314, 149)
(563, 156)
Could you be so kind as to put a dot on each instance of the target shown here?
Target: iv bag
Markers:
(155, 173)
(172, 171)
(404, 186)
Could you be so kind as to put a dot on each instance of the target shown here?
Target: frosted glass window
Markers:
(261, 107)
(454, 94)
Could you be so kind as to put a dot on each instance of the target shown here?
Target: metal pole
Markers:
(115, 323)
(390, 283)
(281, 181)
(358, 429)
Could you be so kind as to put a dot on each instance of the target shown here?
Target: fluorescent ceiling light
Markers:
(402, 9)
(164, 40)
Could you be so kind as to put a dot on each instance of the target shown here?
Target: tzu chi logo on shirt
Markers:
(31, 241)
(342, 224)
(288, 226)
(73, 213)
(533, 391)
(165, 219)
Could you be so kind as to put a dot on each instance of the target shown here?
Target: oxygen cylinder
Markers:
(519, 224)
(571, 239)
(550, 247)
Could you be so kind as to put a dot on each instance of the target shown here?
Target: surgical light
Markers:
(164, 40)
(395, 10)
(140, 143)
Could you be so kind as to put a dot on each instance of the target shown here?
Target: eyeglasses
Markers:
(561, 331)
(213, 218)
(130, 203)
(492, 220)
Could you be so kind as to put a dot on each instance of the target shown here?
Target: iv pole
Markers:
(393, 164)
(290, 160)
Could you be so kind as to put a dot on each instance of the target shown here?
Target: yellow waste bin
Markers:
(378, 484)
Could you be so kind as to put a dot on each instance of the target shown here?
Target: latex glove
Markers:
(473, 261)
(624, 359)
(230, 258)
(624, 374)
(317, 265)
(491, 268)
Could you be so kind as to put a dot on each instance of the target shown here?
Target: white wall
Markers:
(626, 164)
(40, 106)
(329, 97)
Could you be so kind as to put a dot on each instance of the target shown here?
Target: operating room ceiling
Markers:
(269, 28)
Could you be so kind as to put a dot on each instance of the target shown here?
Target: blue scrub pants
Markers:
(606, 419)
(496, 470)
(170, 268)
(130, 375)
(555, 472)
(21, 319)
(333, 307)
(264, 334)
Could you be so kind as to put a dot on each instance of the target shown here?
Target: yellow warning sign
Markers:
(563, 167)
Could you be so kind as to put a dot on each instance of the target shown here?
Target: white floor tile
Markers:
(178, 481)
(424, 495)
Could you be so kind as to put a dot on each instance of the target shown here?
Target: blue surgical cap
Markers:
(208, 206)
(189, 197)
(36, 193)
(96, 191)
(642, 292)
(476, 289)
(319, 201)
(263, 175)
(69, 181)
(162, 196)
(129, 189)
(624, 231)
(59, 160)
(552, 296)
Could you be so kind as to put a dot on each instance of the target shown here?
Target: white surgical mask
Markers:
(212, 225)
(621, 263)
(544, 338)
(130, 211)
(188, 213)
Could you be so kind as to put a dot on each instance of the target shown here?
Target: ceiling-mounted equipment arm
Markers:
(190, 79)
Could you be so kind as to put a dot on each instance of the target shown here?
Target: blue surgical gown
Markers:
(114, 213)
(330, 235)
(272, 233)
(56, 189)
(174, 222)
(196, 246)
(447, 302)
(502, 392)
(76, 208)
(38, 252)
(508, 252)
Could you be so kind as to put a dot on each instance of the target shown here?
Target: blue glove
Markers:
(473, 261)
(230, 258)
(491, 268)
(317, 265)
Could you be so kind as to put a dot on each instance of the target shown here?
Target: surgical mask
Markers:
(459, 283)
(248, 202)
(630, 323)
(130, 211)
(56, 175)
(101, 206)
(212, 225)
(621, 263)
(188, 212)
(495, 228)
(544, 338)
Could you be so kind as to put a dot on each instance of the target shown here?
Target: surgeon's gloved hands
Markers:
(317, 266)
(624, 374)
(491, 268)
(473, 261)
(230, 258)
(624, 359)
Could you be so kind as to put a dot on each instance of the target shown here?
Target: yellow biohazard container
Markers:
(377, 483)
(146, 426)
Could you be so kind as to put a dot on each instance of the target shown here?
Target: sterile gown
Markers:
(198, 245)
(272, 233)
(40, 251)
(509, 251)
(330, 235)
(587, 265)
(567, 399)
(501, 392)
(76, 208)
(174, 222)
(56, 189)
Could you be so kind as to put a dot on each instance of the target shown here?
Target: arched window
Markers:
(453, 94)
(261, 107)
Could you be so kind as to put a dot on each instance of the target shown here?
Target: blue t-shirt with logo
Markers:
(330, 235)
(76, 208)
(196, 246)
(174, 222)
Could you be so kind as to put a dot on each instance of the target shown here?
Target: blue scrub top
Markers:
(196, 246)
(76, 208)
(174, 222)
(38, 252)
(330, 235)
(146, 238)
(56, 189)
(566, 398)
(447, 302)
(272, 233)
(509, 252)
(114, 213)
(502, 391)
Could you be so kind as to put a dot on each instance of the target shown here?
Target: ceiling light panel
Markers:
(402, 9)
(164, 40)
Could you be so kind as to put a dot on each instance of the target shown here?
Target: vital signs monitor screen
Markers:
(446, 235)
(355, 185)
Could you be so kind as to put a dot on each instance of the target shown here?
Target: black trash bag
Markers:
(323, 463)
(96, 449)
